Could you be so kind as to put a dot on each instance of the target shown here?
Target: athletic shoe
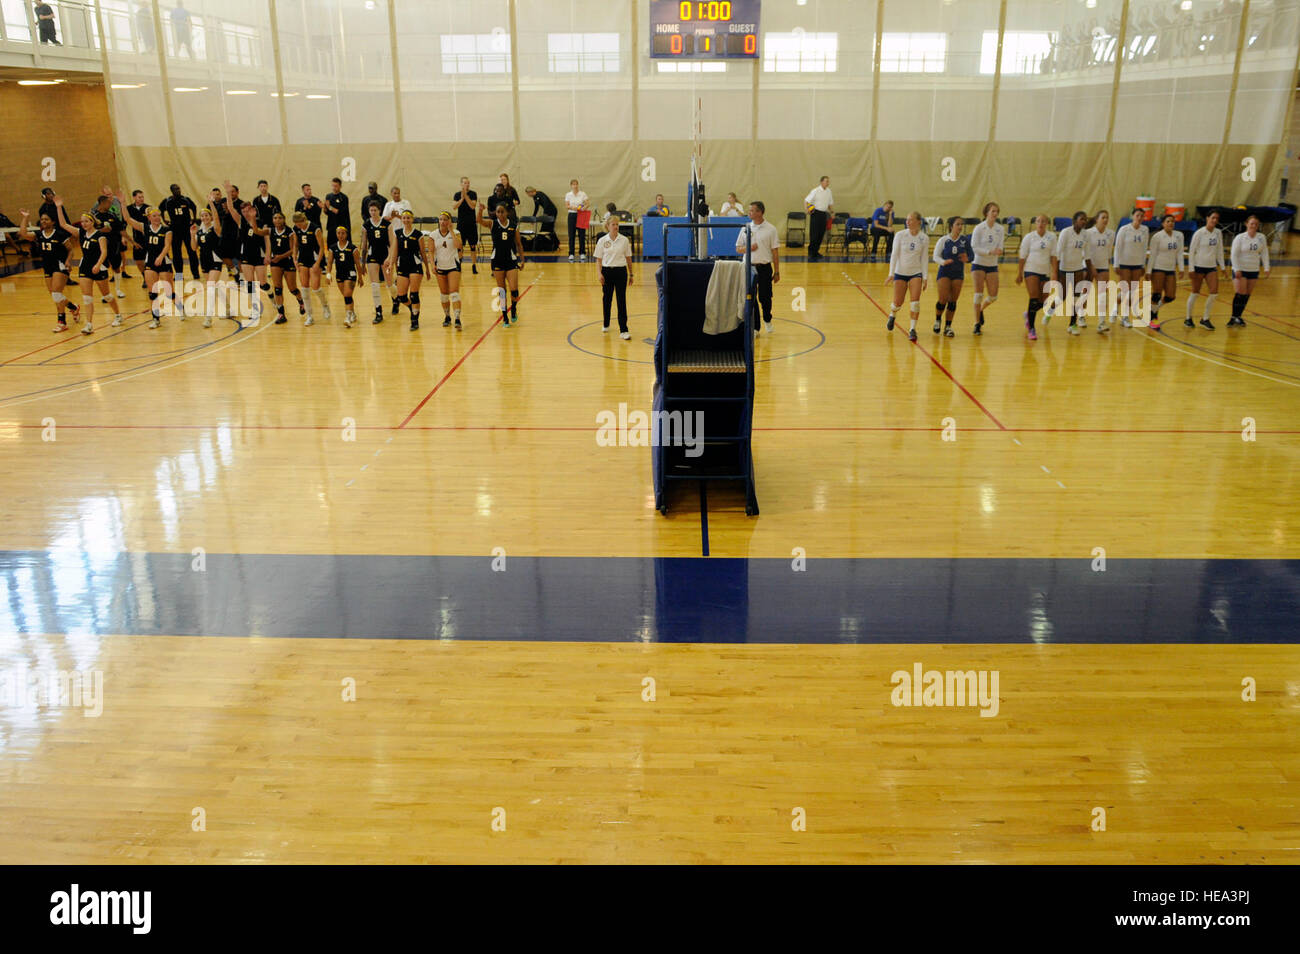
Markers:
(1206, 323)
(604, 329)
(1126, 322)
(117, 321)
(154, 323)
(474, 269)
(207, 322)
(446, 321)
(104, 300)
(121, 294)
(1073, 329)
(1083, 322)
(415, 324)
(1033, 335)
(936, 326)
(505, 321)
(348, 319)
(948, 332)
(309, 320)
(378, 319)
(889, 325)
(769, 328)
(89, 329)
(978, 330)
(582, 258)
(1189, 323)
(396, 307)
(281, 320)
(625, 335)
(570, 258)
(327, 312)
(911, 334)
(458, 327)
(1103, 325)
(61, 326)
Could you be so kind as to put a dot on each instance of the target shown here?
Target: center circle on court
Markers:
(792, 339)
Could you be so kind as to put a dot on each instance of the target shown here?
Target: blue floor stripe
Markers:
(715, 600)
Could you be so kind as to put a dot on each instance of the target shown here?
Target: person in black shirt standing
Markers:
(45, 24)
(309, 206)
(337, 214)
(543, 206)
(179, 212)
(372, 197)
(112, 226)
(265, 204)
(229, 209)
(465, 202)
(47, 206)
(135, 213)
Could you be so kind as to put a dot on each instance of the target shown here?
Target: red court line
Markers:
(64, 340)
(938, 364)
(443, 381)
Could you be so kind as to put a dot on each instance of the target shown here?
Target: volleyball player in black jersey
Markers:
(375, 237)
(282, 265)
(349, 271)
(158, 266)
(309, 250)
(407, 257)
(507, 260)
(254, 246)
(53, 244)
(228, 214)
(94, 264)
(205, 237)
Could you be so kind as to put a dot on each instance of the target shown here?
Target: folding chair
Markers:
(796, 229)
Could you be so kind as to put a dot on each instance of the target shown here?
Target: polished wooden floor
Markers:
(235, 441)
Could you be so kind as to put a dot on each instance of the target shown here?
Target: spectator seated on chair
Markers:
(659, 208)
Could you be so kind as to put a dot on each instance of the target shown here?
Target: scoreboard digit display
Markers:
(704, 29)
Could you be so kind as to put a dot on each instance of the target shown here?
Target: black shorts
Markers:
(983, 268)
(1131, 268)
(309, 262)
(209, 262)
(906, 278)
(349, 276)
(407, 269)
(375, 257)
(447, 271)
(1039, 275)
(1161, 271)
(164, 269)
(138, 252)
(254, 258)
(114, 258)
(50, 271)
(1250, 275)
(506, 265)
(98, 275)
(468, 232)
(954, 272)
(1204, 269)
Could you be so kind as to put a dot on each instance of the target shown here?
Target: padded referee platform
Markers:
(704, 386)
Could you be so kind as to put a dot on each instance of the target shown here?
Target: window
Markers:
(701, 67)
(800, 52)
(913, 52)
(582, 52)
(1022, 53)
(476, 52)
(241, 44)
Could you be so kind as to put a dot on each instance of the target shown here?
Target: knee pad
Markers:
(58, 297)
(989, 299)
(952, 307)
(347, 300)
(266, 287)
(279, 291)
(514, 295)
(1169, 297)
(415, 298)
(153, 295)
(87, 299)
(400, 299)
(916, 307)
(979, 297)
(445, 298)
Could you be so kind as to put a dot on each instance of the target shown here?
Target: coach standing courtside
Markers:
(823, 204)
(764, 256)
(337, 213)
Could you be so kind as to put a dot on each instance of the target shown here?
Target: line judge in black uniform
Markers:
(337, 214)
(180, 212)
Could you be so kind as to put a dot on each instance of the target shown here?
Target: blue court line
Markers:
(680, 599)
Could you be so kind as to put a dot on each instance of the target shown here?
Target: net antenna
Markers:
(695, 198)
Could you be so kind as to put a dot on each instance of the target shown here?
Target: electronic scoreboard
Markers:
(704, 29)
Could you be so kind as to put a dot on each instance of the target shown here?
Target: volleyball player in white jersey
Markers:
(445, 244)
(986, 243)
(1205, 259)
(1164, 265)
(1131, 242)
(1249, 259)
(1036, 253)
(1070, 269)
(909, 270)
(1100, 238)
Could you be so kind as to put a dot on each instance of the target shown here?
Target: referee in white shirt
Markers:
(575, 200)
(823, 204)
(764, 256)
(614, 253)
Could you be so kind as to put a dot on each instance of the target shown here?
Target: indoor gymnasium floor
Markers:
(364, 595)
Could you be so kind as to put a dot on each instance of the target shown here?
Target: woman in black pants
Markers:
(614, 253)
